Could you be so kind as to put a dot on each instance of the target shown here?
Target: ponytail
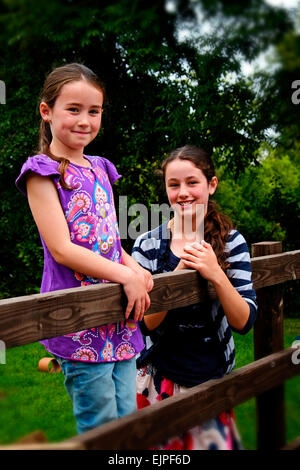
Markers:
(45, 137)
(217, 227)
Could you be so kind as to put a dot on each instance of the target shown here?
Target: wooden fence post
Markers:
(268, 339)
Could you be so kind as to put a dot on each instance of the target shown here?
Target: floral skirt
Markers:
(219, 433)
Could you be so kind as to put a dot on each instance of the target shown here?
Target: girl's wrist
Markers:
(218, 278)
(137, 268)
(125, 274)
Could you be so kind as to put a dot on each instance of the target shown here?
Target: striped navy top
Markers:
(194, 343)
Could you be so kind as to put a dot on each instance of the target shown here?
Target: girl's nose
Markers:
(182, 191)
(83, 120)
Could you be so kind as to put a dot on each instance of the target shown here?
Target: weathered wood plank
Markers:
(37, 446)
(28, 319)
(31, 318)
(143, 429)
(275, 269)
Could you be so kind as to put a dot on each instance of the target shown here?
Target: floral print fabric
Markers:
(219, 433)
(91, 217)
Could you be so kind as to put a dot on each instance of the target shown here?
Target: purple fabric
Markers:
(90, 213)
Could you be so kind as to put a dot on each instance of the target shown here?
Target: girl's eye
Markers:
(94, 111)
(73, 110)
(193, 182)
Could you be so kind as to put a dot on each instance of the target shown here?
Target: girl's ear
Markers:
(45, 111)
(212, 186)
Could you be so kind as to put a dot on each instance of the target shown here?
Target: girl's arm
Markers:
(50, 220)
(203, 259)
(139, 270)
(153, 320)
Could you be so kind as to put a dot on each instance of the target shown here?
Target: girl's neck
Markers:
(74, 156)
(178, 243)
(186, 231)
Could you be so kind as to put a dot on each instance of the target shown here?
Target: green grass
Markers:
(31, 400)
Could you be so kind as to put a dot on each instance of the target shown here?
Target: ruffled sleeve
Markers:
(39, 164)
(111, 170)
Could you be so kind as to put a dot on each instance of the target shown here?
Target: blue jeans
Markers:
(100, 392)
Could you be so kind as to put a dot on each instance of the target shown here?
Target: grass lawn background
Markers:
(31, 400)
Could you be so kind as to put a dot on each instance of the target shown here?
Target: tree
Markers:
(278, 100)
(264, 201)
(264, 204)
(163, 93)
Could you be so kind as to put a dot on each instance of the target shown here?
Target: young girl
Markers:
(71, 199)
(190, 345)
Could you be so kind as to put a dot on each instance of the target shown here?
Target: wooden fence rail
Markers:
(31, 318)
(28, 319)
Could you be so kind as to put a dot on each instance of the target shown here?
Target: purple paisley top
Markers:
(90, 213)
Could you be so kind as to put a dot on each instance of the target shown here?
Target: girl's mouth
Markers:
(80, 132)
(185, 203)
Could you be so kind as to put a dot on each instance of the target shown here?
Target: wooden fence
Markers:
(29, 319)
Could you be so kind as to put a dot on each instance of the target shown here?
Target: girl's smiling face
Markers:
(75, 118)
(187, 186)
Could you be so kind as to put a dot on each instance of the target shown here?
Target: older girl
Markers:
(190, 345)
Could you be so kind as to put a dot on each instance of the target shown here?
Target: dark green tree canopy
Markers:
(165, 89)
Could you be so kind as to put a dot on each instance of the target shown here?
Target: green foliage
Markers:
(264, 204)
(275, 83)
(264, 201)
(163, 93)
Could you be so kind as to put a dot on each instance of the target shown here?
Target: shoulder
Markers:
(105, 165)
(152, 238)
(39, 164)
(240, 274)
(238, 256)
(149, 247)
(42, 164)
(236, 243)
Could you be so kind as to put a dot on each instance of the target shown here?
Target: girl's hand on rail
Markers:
(145, 276)
(137, 296)
(201, 256)
(130, 262)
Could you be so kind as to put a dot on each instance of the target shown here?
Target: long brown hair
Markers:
(53, 84)
(216, 225)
